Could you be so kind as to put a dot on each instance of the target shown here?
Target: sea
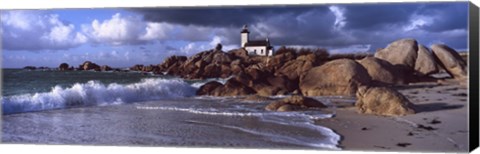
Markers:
(141, 109)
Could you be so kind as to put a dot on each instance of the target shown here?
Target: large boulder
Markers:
(337, 77)
(294, 102)
(235, 88)
(294, 69)
(208, 88)
(450, 60)
(382, 101)
(401, 53)
(425, 64)
(382, 71)
(63, 67)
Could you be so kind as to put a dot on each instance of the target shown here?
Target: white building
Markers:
(255, 47)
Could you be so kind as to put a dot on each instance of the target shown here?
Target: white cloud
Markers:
(418, 21)
(41, 31)
(18, 19)
(122, 30)
(155, 31)
(216, 40)
(60, 32)
(118, 30)
(339, 17)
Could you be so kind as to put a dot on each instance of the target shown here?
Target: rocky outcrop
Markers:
(299, 71)
(63, 67)
(450, 60)
(425, 63)
(207, 64)
(172, 64)
(88, 65)
(382, 101)
(382, 71)
(337, 77)
(294, 102)
(30, 67)
(401, 53)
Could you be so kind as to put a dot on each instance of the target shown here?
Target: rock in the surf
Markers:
(294, 102)
(63, 67)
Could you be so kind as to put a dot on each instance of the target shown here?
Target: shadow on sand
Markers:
(431, 107)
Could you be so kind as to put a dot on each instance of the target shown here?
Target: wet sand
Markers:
(441, 125)
(167, 123)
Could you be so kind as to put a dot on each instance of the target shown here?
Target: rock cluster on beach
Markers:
(411, 58)
(309, 72)
(293, 103)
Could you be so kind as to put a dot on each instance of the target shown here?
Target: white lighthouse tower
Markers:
(244, 36)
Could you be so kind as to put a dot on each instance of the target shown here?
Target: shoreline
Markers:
(441, 125)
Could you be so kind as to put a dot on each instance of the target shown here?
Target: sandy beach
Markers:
(440, 126)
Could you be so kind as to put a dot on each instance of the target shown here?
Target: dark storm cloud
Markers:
(447, 16)
(315, 25)
(378, 16)
(221, 16)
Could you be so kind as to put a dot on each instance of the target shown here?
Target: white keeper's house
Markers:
(255, 47)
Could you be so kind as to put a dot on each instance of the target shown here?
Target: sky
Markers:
(123, 37)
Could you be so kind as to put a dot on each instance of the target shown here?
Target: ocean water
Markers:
(118, 108)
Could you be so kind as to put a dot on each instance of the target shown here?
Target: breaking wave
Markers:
(95, 93)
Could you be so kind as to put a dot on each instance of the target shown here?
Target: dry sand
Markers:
(441, 125)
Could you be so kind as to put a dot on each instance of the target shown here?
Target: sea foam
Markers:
(95, 93)
(304, 119)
